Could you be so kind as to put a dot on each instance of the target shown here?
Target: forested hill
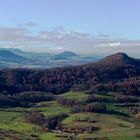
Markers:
(118, 72)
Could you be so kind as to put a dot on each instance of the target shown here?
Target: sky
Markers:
(84, 26)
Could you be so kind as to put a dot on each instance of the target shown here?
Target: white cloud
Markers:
(56, 48)
(113, 44)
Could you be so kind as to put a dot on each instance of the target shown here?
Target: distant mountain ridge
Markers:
(65, 55)
(6, 55)
(11, 57)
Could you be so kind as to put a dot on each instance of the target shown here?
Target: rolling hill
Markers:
(119, 59)
(65, 55)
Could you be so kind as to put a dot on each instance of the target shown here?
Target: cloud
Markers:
(60, 39)
(102, 35)
(31, 24)
(113, 44)
(27, 24)
(72, 39)
(12, 34)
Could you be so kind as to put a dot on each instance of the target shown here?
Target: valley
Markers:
(69, 70)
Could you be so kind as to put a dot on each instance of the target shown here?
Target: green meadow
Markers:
(111, 126)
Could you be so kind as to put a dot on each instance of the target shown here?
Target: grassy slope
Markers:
(49, 136)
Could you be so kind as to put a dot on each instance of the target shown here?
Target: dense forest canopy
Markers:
(118, 72)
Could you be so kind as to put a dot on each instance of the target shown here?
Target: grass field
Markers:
(51, 108)
(112, 126)
(75, 95)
